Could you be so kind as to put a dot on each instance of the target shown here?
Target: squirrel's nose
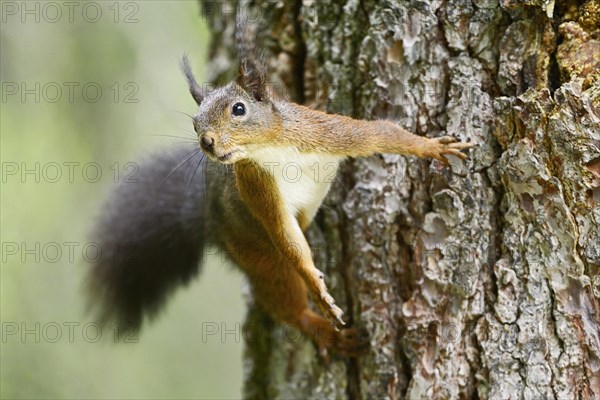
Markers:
(207, 143)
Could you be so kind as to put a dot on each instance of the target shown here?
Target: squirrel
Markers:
(153, 232)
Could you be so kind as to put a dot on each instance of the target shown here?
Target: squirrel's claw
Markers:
(337, 314)
(327, 305)
(448, 145)
(322, 299)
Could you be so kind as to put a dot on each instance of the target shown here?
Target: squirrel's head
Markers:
(235, 119)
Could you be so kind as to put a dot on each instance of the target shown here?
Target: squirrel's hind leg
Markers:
(281, 292)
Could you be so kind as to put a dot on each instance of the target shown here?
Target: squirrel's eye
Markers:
(238, 109)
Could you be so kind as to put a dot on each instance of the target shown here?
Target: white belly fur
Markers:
(303, 179)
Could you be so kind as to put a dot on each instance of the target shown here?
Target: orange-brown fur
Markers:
(315, 131)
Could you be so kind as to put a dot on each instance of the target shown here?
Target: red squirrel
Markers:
(153, 232)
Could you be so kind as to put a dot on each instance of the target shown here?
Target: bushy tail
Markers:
(151, 237)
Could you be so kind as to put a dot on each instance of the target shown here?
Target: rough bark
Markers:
(480, 280)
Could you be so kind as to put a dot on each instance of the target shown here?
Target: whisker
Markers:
(339, 180)
(186, 130)
(192, 177)
(188, 158)
(202, 158)
(184, 113)
(325, 207)
(174, 136)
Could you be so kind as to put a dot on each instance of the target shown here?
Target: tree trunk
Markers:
(480, 280)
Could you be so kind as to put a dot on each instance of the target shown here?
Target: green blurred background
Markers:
(131, 52)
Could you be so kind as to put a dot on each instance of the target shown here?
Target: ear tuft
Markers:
(196, 90)
(252, 73)
(252, 78)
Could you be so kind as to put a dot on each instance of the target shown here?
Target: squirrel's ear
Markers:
(252, 78)
(196, 90)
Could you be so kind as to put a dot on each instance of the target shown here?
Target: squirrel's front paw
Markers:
(447, 145)
(326, 304)
(315, 282)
